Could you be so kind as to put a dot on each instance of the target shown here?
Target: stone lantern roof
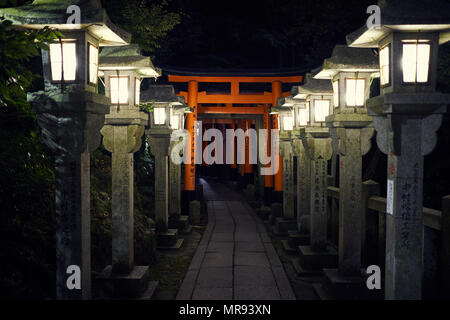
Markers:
(53, 13)
(285, 105)
(289, 101)
(127, 58)
(401, 15)
(165, 94)
(312, 86)
(347, 59)
(280, 108)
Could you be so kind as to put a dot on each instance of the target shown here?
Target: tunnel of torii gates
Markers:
(233, 110)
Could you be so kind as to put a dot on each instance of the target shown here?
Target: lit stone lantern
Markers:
(165, 118)
(176, 149)
(71, 114)
(318, 95)
(406, 117)
(286, 124)
(299, 234)
(123, 68)
(350, 71)
(316, 140)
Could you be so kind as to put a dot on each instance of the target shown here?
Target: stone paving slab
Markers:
(251, 259)
(235, 259)
(226, 247)
(222, 237)
(215, 277)
(253, 276)
(213, 294)
(247, 237)
(256, 293)
(218, 259)
(249, 247)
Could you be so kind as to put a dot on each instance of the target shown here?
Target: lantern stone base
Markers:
(263, 212)
(339, 287)
(181, 223)
(276, 212)
(302, 271)
(195, 212)
(296, 238)
(288, 249)
(168, 240)
(317, 260)
(284, 225)
(132, 285)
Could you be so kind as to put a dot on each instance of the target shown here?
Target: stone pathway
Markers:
(235, 259)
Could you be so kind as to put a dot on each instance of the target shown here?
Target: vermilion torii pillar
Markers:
(248, 169)
(234, 164)
(268, 179)
(189, 168)
(241, 125)
(278, 177)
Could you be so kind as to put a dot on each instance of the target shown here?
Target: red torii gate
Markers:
(265, 100)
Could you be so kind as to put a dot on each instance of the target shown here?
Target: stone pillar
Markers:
(122, 141)
(303, 185)
(318, 204)
(174, 186)
(406, 139)
(159, 146)
(73, 223)
(259, 125)
(71, 123)
(288, 179)
(351, 143)
(287, 223)
(318, 149)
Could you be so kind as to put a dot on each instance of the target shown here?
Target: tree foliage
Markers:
(27, 216)
(17, 47)
(148, 21)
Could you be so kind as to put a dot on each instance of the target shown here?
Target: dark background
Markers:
(265, 34)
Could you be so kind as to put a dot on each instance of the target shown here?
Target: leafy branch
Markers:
(17, 47)
(147, 107)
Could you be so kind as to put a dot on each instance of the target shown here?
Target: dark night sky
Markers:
(265, 34)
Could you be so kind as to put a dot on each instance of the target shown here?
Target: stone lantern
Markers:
(176, 149)
(406, 117)
(350, 71)
(123, 68)
(316, 140)
(165, 125)
(71, 114)
(286, 123)
(299, 233)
